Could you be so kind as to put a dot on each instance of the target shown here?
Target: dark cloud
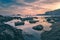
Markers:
(8, 3)
(8, 7)
(29, 1)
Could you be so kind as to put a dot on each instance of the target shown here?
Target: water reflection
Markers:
(28, 23)
(28, 32)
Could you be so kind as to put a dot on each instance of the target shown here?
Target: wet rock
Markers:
(53, 34)
(33, 21)
(35, 17)
(50, 20)
(27, 18)
(19, 23)
(1, 15)
(38, 27)
(5, 19)
(7, 32)
(53, 19)
(16, 17)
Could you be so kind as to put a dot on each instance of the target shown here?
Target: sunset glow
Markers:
(29, 7)
(29, 19)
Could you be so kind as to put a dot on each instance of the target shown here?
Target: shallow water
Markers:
(28, 32)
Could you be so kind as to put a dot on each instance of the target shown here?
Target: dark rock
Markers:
(50, 20)
(55, 12)
(53, 34)
(27, 18)
(19, 23)
(33, 21)
(35, 17)
(5, 19)
(7, 32)
(53, 19)
(38, 27)
(16, 17)
(1, 16)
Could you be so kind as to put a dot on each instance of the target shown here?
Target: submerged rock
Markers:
(38, 27)
(53, 34)
(7, 32)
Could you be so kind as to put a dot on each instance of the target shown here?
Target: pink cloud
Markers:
(36, 7)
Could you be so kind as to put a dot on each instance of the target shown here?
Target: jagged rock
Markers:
(38, 27)
(53, 19)
(7, 32)
(53, 34)
(55, 12)
(16, 17)
(5, 19)
(50, 20)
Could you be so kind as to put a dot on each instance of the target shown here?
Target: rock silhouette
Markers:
(53, 34)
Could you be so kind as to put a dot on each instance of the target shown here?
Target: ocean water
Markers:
(28, 32)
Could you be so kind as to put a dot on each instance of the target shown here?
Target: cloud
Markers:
(49, 1)
(27, 6)
(8, 3)
(29, 1)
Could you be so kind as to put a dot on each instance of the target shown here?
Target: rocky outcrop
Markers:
(38, 27)
(33, 21)
(53, 34)
(5, 18)
(7, 32)
(26, 19)
(52, 19)
(55, 12)
(19, 23)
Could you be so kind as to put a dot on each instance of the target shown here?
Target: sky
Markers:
(28, 7)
